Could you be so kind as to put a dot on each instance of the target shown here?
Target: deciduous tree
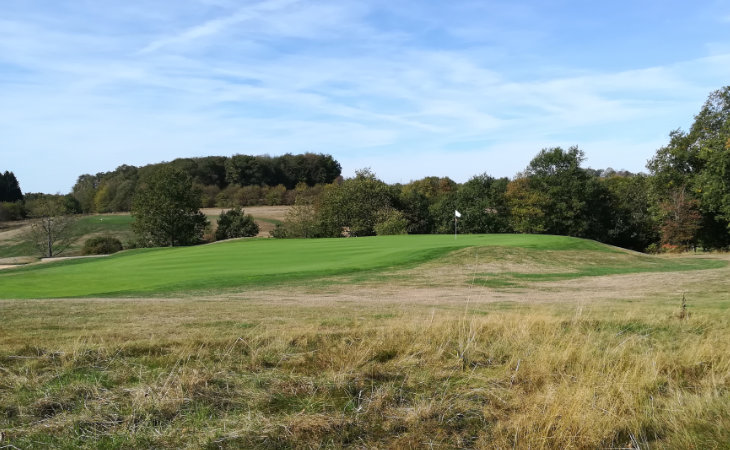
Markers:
(354, 204)
(51, 229)
(166, 209)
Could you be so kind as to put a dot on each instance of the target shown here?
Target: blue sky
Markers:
(408, 88)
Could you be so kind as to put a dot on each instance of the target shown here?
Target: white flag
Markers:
(457, 213)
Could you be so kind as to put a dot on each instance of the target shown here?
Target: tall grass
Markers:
(235, 374)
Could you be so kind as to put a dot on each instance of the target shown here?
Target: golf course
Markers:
(242, 263)
(488, 341)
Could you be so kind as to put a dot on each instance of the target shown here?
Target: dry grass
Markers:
(379, 364)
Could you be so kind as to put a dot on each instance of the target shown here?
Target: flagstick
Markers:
(455, 219)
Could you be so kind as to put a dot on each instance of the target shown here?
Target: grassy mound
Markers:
(258, 262)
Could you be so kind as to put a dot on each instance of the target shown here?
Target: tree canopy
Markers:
(695, 166)
(166, 209)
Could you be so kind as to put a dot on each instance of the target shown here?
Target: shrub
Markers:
(101, 245)
(11, 211)
(234, 224)
(390, 221)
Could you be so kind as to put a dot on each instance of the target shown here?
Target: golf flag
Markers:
(457, 214)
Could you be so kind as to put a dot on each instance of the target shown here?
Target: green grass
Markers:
(271, 221)
(104, 222)
(265, 261)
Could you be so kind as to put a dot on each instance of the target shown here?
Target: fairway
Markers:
(263, 262)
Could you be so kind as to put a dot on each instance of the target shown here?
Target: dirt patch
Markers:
(265, 228)
(15, 231)
(18, 260)
(63, 258)
(259, 212)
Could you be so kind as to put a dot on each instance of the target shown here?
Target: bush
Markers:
(390, 221)
(234, 224)
(11, 211)
(101, 245)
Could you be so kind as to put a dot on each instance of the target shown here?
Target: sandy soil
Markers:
(14, 231)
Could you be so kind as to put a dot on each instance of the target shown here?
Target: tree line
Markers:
(222, 181)
(683, 202)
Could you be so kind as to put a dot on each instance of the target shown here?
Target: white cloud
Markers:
(288, 76)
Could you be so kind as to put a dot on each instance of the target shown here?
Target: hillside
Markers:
(15, 247)
(256, 262)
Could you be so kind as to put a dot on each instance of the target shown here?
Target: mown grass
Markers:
(260, 262)
(235, 374)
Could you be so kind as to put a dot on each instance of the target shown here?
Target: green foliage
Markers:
(432, 187)
(11, 211)
(483, 205)
(527, 206)
(353, 205)
(415, 208)
(287, 170)
(555, 195)
(101, 245)
(390, 222)
(567, 189)
(235, 224)
(698, 162)
(631, 224)
(300, 222)
(275, 195)
(166, 209)
(240, 180)
(84, 191)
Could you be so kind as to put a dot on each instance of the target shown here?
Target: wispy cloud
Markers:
(408, 89)
(217, 25)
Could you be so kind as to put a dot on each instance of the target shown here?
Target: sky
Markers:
(407, 88)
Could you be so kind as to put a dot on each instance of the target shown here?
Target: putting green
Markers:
(247, 262)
